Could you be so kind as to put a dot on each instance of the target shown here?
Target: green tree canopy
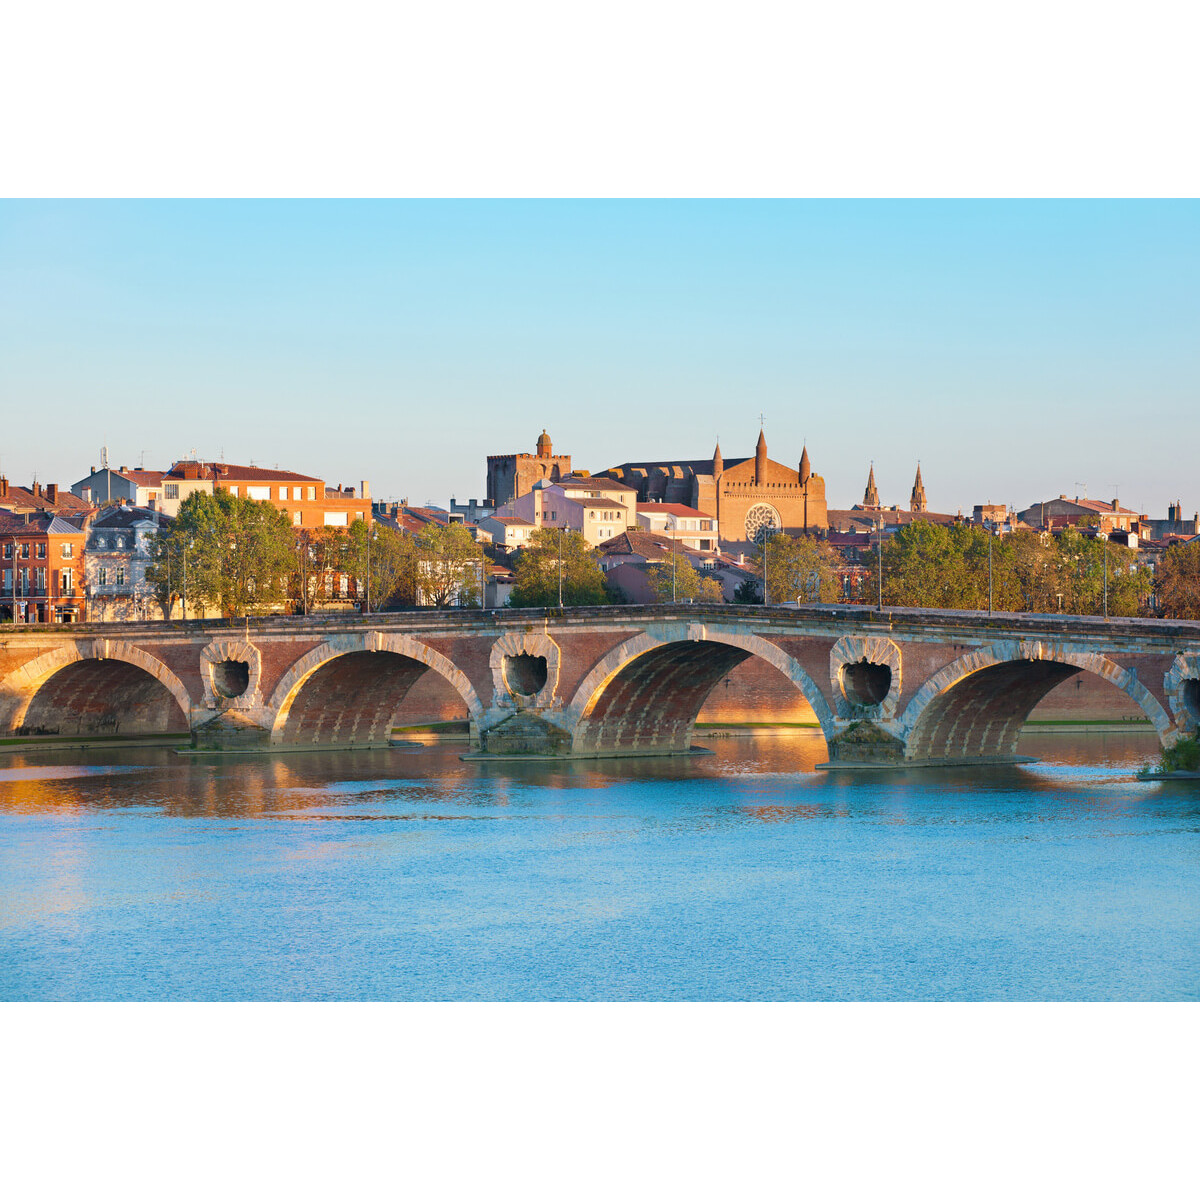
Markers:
(448, 566)
(1177, 581)
(799, 566)
(384, 560)
(685, 583)
(239, 553)
(537, 572)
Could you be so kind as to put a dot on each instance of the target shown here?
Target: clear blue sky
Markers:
(1014, 348)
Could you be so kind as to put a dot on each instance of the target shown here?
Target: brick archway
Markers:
(644, 696)
(19, 689)
(977, 705)
(417, 654)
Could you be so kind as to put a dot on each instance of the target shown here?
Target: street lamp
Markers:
(879, 543)
(991, 534)
(560, 600)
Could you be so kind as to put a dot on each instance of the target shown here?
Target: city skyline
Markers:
(1017, 350)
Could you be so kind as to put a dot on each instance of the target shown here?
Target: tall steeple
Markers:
(805, 468)
(917, 502)
(760, 458)
(871, 495)
(718, 462)
(544, 448)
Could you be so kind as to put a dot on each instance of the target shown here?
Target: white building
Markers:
(688, 526)
(116, 556)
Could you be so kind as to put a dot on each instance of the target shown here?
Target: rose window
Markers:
(761, 521)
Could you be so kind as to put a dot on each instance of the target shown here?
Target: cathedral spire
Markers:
(760, 458)
(871, 495)
(718, 462)
(918, 502)
(805, 467)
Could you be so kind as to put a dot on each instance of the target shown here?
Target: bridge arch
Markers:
(644, 695)
(977, 705)
(347, 689)
(95, 686)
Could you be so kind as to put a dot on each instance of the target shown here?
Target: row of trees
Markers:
(239, 556)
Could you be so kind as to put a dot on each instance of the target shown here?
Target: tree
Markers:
(792, 563)
(677, 579)
(537, 572)
(319, 553)
(747, 592)
(1177, 581)
(239, 554)
(448, 566)
(384, 561)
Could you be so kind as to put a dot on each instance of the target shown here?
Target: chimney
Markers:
(366, 489)
(1115, 506)
(52, 492)
(3, 487)
(37, 488)
(87, 495)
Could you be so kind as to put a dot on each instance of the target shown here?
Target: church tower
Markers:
(805, 467)
(917, 502)
(871, 495)
(760, 459)
(718, 462)
(544, 449)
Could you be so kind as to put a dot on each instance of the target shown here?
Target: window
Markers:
(296, 517)
(312, 493)
(170, 491)
(343, 584)
(40, 584)
(335, 518)
(295, 493)
(68, 550)
(24, 549)
(41, 550)
(120, 576)
(258, 493)
(8, 549)
(233, 490)
(283, 493)
(68, 579)
(102, 576)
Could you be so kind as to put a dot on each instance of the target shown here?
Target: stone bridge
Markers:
(892, 687)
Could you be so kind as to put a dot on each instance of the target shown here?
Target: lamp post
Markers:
(560, 602)
(1106, 578)
(879, 542)
(368, 572)
(991, 534)
(673, 551)
(766, 541)
(183, 593)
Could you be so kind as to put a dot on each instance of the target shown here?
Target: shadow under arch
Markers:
(644, 696)
(346, 691)
(977, 705)
(94, 687)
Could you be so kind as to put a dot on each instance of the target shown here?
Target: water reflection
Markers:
(742, 874)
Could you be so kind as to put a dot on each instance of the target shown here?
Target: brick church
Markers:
(748, 496)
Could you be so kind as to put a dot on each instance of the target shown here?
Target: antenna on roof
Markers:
(104, 458)
(1116, 487)
(142, 461)
(1082, 485)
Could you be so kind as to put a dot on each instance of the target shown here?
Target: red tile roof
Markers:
(231, 473)
(675, 510)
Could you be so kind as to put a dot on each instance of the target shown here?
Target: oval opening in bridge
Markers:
(1191, 698)
(231, 679)
(525, 674)
(866, 683)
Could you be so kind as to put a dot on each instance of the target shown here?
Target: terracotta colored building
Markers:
(747, 496)
(42, 576)
(39, 497)
(511, 476)
(305, 498)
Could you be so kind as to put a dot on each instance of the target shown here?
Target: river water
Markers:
(407, 874)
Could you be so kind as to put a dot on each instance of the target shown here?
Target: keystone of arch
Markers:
(231, 649)
(667, 634)
(288, 688)
(538, 645)
(878, 651)
(18, 688)
(1185, 667)
(1079, 656)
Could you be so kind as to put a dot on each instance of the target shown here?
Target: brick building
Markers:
(748, 497)
(511, 476)
(305, 498)
(45, 498)
(43, 564)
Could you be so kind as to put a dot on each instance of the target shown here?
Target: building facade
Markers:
(117, 552)
(748, 497)
(511, 476)
(42, 577)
